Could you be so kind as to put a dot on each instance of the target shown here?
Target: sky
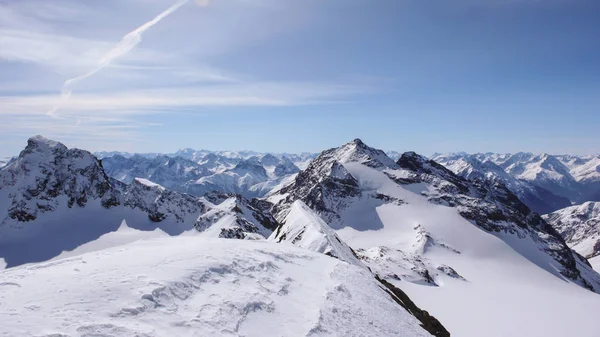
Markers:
(301, 76)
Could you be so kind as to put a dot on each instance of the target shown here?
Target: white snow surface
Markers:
(512, 288)
(583, 168)
(305, 229)
(192, 286)
(148, 183)
(595, 262)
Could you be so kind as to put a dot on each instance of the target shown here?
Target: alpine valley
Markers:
(353, 241)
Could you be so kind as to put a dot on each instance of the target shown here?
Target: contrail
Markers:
(127, 43)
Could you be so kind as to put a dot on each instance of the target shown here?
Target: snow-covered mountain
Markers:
(543, 170)
(252, 177)
(447, 241)
(108, 154)
(299, 159)
(471, 167)
(5, 161)
(55, 199)
(576, 178)
(170, 172)
(582, 168)
(586, 171)
(580, 226)
(204, 172)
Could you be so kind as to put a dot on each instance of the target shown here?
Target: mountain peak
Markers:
(357, 151)
(357, 141)
(40, 143)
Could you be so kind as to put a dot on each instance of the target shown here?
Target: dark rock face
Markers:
(261, 210)
(322, 186)
(428, 171)
(50, 171)
(250, 216)
(161, 203)
(428, 322)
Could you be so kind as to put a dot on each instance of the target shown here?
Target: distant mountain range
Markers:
(544, 182)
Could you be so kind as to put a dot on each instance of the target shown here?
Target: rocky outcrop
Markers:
(234, 217)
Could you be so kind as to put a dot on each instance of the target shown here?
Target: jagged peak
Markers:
(413, 161)
(269, 156)
(358, 151)
(40, 143)
(357, 141)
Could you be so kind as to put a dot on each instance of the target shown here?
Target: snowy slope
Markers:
(583, 168)
(303, 228)
(580, 226)
(595, 262)
(199, 287)
(467, 252)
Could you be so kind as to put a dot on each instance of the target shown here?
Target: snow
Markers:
(501, 271)
(230, 214)
(580, 227)
(357, 151)
(305, 229)
(194, 286)
(122, 236)
(588, 172)
(595, 262)
(148, 183)
(560, 175)
(200, 172)
(4, 161)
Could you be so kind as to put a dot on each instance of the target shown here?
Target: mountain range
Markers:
(347, 242)
(542, 179)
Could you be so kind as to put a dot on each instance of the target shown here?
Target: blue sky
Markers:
(274, 75)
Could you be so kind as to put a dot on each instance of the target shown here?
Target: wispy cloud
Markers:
(127, 43)
(123, 115)
(180, 68)
(167, 99)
